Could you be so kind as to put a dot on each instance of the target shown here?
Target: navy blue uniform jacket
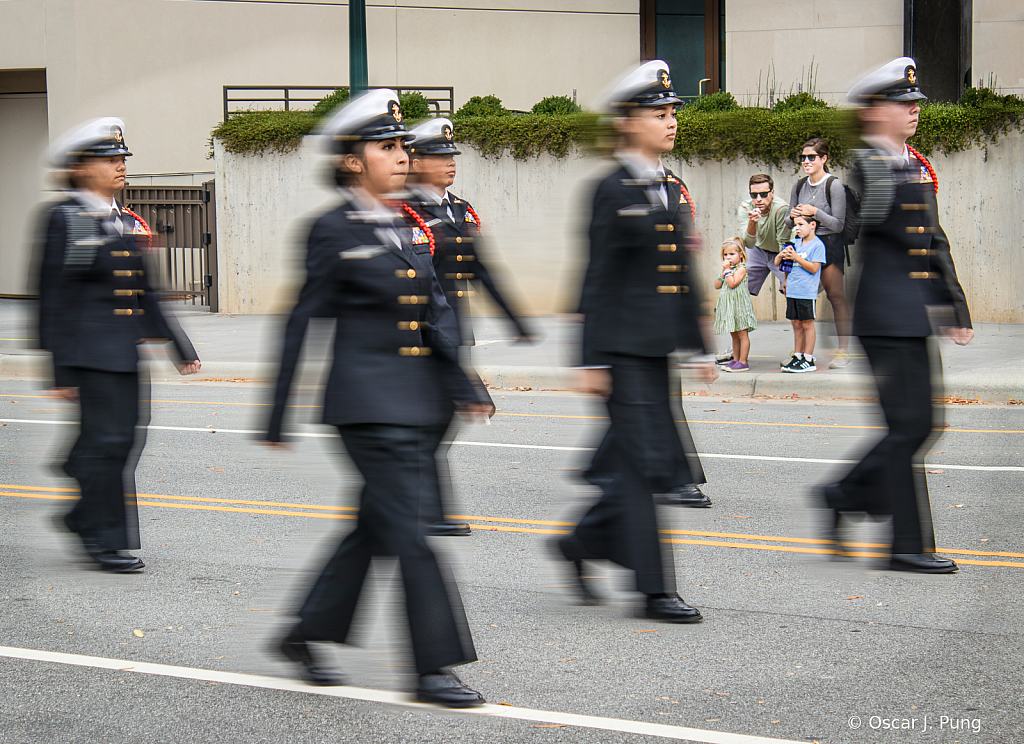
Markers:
(396, 339)
(639, 296)
(95, 300)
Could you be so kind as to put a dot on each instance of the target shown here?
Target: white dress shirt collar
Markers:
(95, 203)
(641, 167)
(898, 156)
(430, 195)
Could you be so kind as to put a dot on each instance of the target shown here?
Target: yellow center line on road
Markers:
(501, 524)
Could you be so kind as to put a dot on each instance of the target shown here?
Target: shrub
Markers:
(556, 105)
(760, 135)
(982, 97)
(798, 102)
(414, 106)
(720, 101)
(480, 106)
(259, 131)
(331, 101)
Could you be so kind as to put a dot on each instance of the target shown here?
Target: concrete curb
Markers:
(990, 387)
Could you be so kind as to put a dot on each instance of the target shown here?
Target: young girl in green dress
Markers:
(734, 313)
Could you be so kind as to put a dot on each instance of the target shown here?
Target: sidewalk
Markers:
(243, 347)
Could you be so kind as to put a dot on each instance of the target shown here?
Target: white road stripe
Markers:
(664, 731)
(764, 458)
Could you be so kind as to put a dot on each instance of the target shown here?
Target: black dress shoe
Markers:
(577, 582)
(295, 647)
(685, 496)
(922, 563)
(115, 561)
(444, 688)
(671, 609)
(448, 528)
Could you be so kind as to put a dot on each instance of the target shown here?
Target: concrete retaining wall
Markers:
(532, 210)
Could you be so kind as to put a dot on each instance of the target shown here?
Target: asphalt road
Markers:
(794, 646)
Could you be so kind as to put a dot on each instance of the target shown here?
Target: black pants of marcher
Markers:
(437, 482)
(890, 479)
(392, 460)
(103, 459)
(672, 458)
(623, 526)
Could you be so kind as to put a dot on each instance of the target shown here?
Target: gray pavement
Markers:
(243, 347)
(793, 646)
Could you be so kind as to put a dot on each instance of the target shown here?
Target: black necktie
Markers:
(448, 208)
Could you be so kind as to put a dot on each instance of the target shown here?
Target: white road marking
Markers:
(331, 435)
(679, 733)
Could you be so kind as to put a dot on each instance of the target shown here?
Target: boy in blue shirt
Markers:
(801, 290)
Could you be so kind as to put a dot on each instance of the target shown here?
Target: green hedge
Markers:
(718, 133)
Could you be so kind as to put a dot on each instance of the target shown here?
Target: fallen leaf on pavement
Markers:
(551, 725)
(139, 633)
(855, 596)
(647, 631)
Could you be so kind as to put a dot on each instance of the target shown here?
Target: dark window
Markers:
(690, 36)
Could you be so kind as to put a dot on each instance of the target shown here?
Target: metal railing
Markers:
(183, 257)
(304, 97)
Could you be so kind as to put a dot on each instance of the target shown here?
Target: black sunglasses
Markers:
(812, 157)
(760, 194)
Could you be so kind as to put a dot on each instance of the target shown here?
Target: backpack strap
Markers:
(828, 192)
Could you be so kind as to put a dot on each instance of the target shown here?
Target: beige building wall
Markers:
(997, 53)
(162, 64)
(784, 43)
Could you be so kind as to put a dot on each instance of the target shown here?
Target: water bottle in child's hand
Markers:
(786, 264)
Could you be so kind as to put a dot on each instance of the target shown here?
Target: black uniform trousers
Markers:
(392, 459)
(672, 456)
(437, 480)
(890, 479)
(623, 526)
(104, 456)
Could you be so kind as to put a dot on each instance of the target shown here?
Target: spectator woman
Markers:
(819, 194)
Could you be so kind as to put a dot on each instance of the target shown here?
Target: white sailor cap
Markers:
(373, 115)
(647, 85)
(95, 138)
(893, 81)
(434, 137)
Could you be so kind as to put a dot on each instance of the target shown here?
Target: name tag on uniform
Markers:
(363, 252)
(637, 210)
(435, 221)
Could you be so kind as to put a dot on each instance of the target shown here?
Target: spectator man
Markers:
(763, 227)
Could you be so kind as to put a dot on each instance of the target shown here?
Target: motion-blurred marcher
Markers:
(457, 262)
(908, 284)
(96, 306)
(393, 380)
(638, 307)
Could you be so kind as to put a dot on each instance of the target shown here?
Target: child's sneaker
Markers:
(802, 365)
(724, 358)
(788, 362)
(736, 367)
(840, 361)
(788, 366)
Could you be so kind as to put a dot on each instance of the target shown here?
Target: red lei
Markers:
(927, 165)
(419, 221)
(145, 226)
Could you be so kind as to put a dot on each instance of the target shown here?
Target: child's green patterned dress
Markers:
(735, 311)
